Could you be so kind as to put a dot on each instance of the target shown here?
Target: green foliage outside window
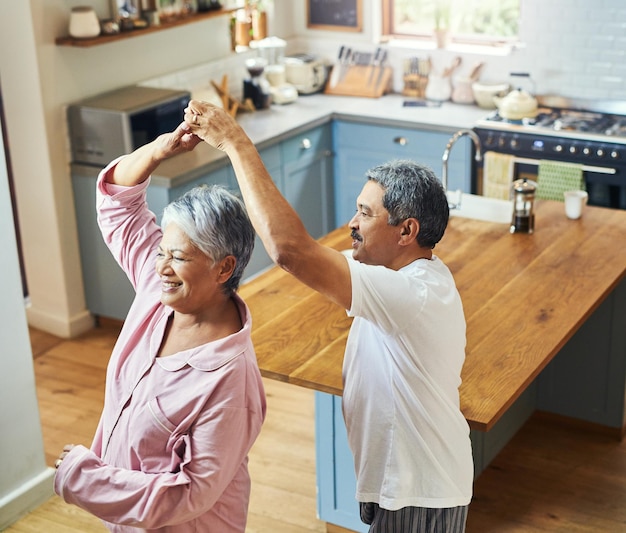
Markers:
(495, 20)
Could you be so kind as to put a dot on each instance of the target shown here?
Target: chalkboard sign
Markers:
(344, 15)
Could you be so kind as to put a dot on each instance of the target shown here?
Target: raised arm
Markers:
(283, 234)
(137, 166)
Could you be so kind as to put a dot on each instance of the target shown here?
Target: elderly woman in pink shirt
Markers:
(184, 398)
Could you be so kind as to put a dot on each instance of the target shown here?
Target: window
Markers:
(469, 21)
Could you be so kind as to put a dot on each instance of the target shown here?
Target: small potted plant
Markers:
(442, 23)
(259, 19)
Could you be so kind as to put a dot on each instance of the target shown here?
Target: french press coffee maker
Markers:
(523, 206)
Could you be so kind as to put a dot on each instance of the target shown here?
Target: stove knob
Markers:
(586, 150)
(514, 144)
(600, 152)
(573, 150)
(614, 154)
(558, 148)
(501, 142)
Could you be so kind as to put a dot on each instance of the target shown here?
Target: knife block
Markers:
(361, 80)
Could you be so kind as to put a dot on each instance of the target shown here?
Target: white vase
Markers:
(84, 23)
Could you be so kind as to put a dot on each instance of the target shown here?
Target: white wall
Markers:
(25, 481)
(573, 48)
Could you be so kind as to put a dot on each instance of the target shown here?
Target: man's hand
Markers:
(213, 125)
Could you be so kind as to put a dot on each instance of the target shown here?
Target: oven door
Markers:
(604, 175)
(605, 189)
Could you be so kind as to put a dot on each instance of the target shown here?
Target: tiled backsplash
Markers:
(198, 79)
(575, 48)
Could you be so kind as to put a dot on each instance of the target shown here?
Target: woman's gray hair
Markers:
(413, 190)
(217, 223)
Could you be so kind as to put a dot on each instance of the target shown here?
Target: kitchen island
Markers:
(546, 322)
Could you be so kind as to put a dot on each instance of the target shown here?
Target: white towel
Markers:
(498, 175)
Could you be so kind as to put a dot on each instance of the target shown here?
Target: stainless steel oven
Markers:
(592, 134)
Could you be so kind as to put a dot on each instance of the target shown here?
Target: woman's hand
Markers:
(176, 142)
(213, 125)
(66, 450)
(137, 166)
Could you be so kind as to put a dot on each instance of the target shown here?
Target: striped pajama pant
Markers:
(414, 519)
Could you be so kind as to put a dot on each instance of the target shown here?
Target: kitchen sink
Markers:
(480, 207)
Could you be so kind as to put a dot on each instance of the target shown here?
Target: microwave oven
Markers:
(108, 125)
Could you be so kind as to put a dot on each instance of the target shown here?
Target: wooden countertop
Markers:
(524, 296)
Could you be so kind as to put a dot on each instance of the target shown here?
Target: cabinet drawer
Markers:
(397, 141)
(307, 144)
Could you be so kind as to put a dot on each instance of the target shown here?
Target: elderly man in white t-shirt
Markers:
(406, 347)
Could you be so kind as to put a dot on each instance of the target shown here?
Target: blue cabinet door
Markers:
(358, 147)
(308, 178)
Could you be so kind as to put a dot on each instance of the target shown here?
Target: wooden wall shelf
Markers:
(165, 25)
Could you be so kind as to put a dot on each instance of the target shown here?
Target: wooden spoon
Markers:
(455, 64)
(475, 72)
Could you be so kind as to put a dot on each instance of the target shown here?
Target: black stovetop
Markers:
(570, 121)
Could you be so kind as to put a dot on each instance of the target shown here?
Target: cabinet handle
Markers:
(402, 141)
(305, 144)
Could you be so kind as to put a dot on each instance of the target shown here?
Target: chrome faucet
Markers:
(446, 154)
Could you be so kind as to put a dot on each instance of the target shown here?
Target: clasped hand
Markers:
(212, 124)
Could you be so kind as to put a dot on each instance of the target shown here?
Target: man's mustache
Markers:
(355, 236)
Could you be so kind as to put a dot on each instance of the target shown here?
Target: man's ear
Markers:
(409, 230)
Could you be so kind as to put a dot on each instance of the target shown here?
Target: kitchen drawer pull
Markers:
(306, 144)
(402, 141)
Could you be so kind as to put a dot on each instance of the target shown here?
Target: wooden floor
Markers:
(549, 477)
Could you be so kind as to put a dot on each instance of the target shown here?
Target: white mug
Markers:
(574, 202)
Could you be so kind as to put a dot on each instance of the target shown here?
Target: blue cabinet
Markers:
(358, 147)
(307, 182)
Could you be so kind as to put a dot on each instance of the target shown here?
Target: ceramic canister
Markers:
(84, 23)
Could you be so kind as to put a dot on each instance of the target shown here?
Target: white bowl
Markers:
(485, 92)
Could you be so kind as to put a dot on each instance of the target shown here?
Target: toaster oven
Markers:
(108, 125)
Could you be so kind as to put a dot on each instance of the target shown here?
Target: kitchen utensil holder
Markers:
(415, 85)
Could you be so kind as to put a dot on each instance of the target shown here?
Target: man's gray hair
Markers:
(413, 190)
(217, 223)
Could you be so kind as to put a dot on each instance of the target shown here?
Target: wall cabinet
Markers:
(301, 167)
(359, 147)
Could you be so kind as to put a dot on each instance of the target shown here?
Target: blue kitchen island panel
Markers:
(336, 482)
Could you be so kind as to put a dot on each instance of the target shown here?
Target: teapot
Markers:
(516, 105)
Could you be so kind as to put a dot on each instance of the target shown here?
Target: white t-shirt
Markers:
(401, 376)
